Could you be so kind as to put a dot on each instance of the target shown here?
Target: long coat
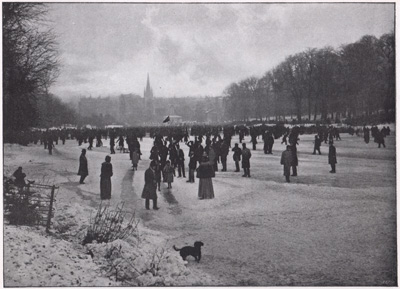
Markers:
(205, 172)
(105, 180)
(83, 166)
(332, 155)
(150, 185)
(295, 160)
(286, 161)
(246, 155)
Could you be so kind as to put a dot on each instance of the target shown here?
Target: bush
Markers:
(108, 225)
(19, 206)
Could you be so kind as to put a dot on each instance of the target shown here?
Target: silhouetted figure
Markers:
(105, 179)
(83, 170)
(150, 186)
(332, 157)
(286, 161)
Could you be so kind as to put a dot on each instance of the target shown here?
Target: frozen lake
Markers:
(321, 229)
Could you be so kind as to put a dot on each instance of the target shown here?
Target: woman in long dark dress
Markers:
(205, 172)
(105, 179)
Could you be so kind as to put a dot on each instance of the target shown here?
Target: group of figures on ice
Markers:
(210, 147)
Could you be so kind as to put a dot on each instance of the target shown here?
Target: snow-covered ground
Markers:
(320, 229)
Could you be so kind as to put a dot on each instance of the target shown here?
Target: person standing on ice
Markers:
(317, 145)
(286, 161)
(135, 159)
(205, 172)
(192, 167)
(105, 179)
(332, 157)
(181, 162)
(224, 153)
(366, 134)
(237, 153)
(295, 160)
(150, 186)
(246, 155)
(83, 170)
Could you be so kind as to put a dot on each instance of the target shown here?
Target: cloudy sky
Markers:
(195, 49)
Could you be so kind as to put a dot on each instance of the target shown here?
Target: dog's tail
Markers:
(176, 249)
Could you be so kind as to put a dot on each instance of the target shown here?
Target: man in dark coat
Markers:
(366, 134)
(254, 140)
(150, 187)
(380, 139)
(83, 170)
(105, 179)
(237, 153)
(317, 145)
(332, 157)
(181, 162)
(286, 161)
(224, 150)
(246, 155)
(19, 178)
(269, 143)
(192, 167)
(295, 160)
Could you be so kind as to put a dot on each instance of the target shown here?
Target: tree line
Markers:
(356, 79)
(30, 66)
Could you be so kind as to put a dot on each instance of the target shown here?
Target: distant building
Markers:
(90, 106)
(132, 109)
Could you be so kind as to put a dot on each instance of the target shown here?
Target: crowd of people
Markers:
(209, 147)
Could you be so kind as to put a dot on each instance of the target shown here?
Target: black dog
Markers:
(191, 251)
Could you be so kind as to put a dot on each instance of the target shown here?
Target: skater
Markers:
(192, 167)
(169, 173)
(105, 179)
(135, 160)
(50, 144)
(91, 138)
(181, 162)
(246, 155)
(380, 139)
(112, 144)
(150, 187)
(254, 140)
(366, 134)
(224, 154)
(295, 160)
(317, 145)
(332, 157)
(83, 170)
(157, 172)
(237, 153)
(205, 172)
(286, 161)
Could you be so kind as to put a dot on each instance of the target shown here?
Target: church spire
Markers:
(148, 92)
(148, 82)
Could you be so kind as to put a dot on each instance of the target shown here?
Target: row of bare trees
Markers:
(356, 79)
(30, 66)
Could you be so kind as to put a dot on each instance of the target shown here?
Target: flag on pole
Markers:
(166, 120)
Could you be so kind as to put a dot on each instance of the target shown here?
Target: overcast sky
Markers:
(195, 49)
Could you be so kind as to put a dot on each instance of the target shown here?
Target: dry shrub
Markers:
(108, 225)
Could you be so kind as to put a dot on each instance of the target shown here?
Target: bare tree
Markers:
(30, 62)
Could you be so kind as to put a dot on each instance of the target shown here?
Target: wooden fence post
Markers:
(53, 188)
